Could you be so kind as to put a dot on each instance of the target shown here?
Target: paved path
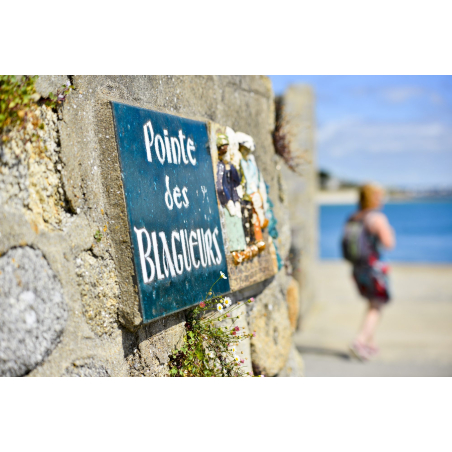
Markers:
(415, 334)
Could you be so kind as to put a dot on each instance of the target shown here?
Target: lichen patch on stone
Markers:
(100, 292)
(30, 168)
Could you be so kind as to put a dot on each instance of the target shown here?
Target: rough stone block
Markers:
(47, 84)
(33, 311)
(30, 168)
(99, 290)
(293, 303)
(269, 317)
(156, 341)
(294, 366)
(299, 124)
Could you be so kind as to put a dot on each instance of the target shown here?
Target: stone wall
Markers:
(66, 275)
(298, 117)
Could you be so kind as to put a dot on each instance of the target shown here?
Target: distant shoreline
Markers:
(337, 197)
(417, 264)
(350, 196)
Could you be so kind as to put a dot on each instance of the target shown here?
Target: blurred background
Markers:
(395, 131)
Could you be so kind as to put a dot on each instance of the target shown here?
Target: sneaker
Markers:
(359, 351)
(372, 350)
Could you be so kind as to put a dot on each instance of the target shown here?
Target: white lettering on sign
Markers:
(176, 254)
(168, 197)
(192, 245)
(168, 266)
(177, 258)
(144, 256)
(157, 257)
(149, 143)
(187, 258)
(181, 140)
(190, 148)
(175, 148)
(217, 248)
(171, 199)
(174, 261)
(184, 194)
(160, 149)
(167, 147)
(177, 195)
(172, 150)
(202, 247)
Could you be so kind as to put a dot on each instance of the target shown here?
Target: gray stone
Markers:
(86, 369)
(294, 366)
(47, 84)
(33, 311)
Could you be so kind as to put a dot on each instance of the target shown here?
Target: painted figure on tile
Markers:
(228, 180)
(254, 187)
(235, 157)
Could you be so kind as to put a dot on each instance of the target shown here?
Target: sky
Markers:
(394, 130)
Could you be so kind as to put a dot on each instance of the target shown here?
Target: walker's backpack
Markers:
(356, 242)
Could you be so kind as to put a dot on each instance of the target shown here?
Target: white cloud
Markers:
(402, 94)
(347, 136)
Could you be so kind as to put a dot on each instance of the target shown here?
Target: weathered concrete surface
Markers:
(33, 311)
(155, 342)
(414, 336)
(301, 186)
(87, 368)
(269, 317)
(62, 190)
(294, 366)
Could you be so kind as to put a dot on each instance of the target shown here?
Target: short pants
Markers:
(372, 281)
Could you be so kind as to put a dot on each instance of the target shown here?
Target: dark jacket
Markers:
(227, 182)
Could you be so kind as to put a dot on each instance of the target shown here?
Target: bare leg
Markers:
(367, 333)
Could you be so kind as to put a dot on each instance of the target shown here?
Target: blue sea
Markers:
(423, 230)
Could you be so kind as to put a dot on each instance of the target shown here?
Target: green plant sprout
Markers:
(19, 100)
(209, 350)
(98, 236)
(17, 96)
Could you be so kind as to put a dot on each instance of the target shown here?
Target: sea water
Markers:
(423, 230)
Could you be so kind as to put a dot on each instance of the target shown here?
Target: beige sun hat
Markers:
(245, 140)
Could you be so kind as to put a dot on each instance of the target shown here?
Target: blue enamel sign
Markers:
(172, 209)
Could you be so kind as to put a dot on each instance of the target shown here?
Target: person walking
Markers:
(366, 232)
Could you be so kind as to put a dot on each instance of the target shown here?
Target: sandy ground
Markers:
(415, 334)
